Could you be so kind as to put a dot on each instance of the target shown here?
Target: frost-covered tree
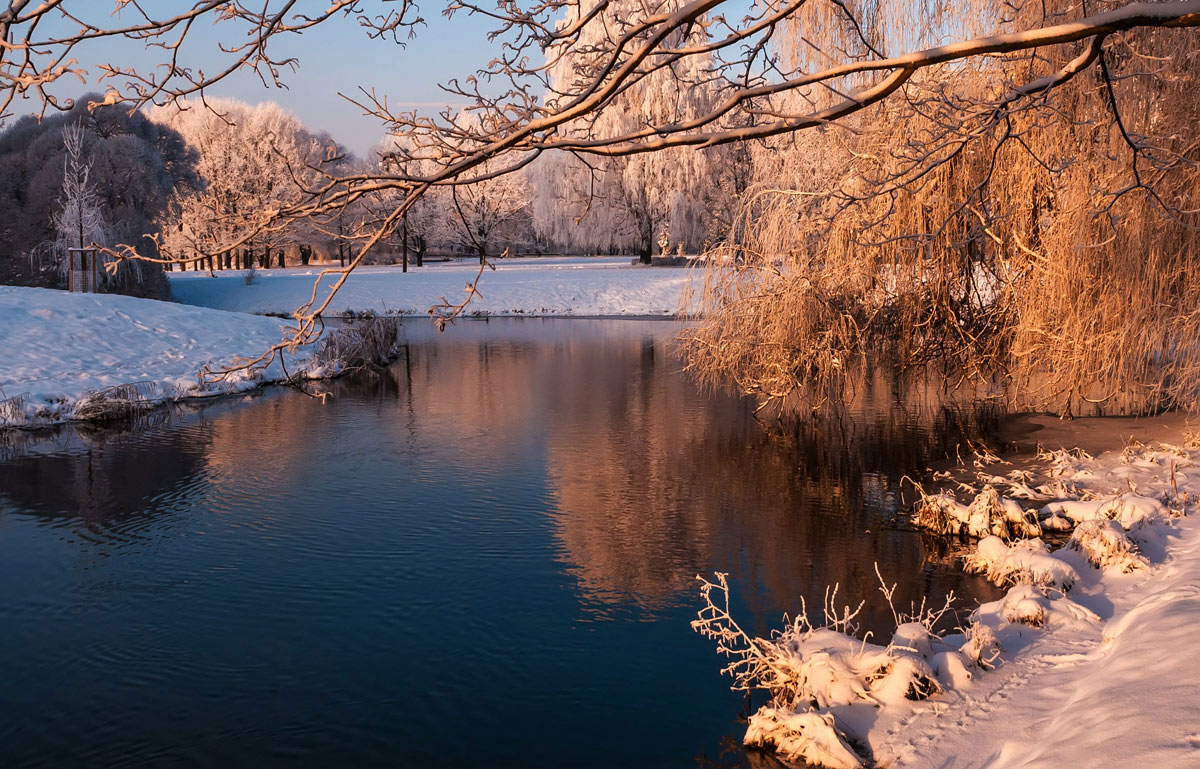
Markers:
(134, 167)
(427, 224)
(252, 159)
(490, 215)
(79, 222)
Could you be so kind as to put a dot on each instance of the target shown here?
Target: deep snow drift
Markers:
(1090, 660)
(584, 286)
(58, 348)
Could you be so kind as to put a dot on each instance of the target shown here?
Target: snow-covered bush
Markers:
(118, 402)
(1130, 510)
(1025, 561)
(1106, 545)
(988, 514)
(1038, 606)
(819, 676)
(362, 344)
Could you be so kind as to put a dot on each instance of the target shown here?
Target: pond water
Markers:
(485, 556)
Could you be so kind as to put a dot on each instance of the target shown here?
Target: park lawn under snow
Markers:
(583, 286)
(59, 347)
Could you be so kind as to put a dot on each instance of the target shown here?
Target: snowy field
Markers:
(583, 286)
(60, 347)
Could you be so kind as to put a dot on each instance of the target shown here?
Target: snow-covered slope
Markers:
(57, 347)
(565, 286)
(1089, 660)
(1123, 691)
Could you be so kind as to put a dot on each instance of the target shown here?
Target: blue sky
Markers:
(336, 56)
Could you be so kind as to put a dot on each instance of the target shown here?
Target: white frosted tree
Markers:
(489, 213)
(429, 220)
(254, 159)
(79, 222)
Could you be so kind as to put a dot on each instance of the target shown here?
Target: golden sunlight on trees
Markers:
(1007, 190)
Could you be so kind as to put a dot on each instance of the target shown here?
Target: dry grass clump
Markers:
(118, 402)
(363, 344)
(13, 411)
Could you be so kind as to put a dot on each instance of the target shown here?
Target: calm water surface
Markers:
(484, 557)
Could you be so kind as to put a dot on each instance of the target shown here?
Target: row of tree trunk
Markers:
(267, 257)
(246, 258)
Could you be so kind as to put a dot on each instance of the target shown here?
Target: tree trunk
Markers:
(404, 241)
(644, 255)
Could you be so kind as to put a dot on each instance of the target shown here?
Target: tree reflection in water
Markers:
(549, 486)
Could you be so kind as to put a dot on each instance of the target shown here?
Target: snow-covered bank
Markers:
(560, 287)
(1090, 660)
(57, 348)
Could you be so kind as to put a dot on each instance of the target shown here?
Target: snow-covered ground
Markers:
(1090, 660)
(60, 347)
(1119, 687)
(581, 286)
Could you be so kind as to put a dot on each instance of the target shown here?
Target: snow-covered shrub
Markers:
(1026, 604)
(805, 736)
(1130, 510)
(14, 411)
(1106, 545)
(939, 513)
(981, 648)
(809, 672)
(988, 514)
(1025, 561)
(1056, 522)
(1035, 605)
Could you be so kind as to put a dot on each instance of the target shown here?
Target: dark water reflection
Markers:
(484, 557)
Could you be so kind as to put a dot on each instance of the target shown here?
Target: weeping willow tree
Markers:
(1027, 217)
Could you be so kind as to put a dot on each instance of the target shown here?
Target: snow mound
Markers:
(73, 356)
(1075, 661)
(1026, 561)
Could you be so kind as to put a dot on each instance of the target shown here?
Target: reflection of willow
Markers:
(656, 481)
